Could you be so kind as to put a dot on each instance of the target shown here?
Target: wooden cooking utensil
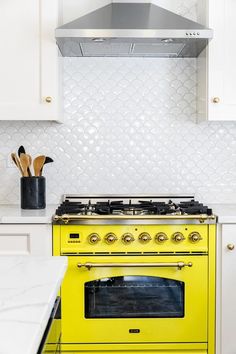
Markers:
(47, 160)
(24, 160)
(17, 162)
(21, 150)
(38, 164)
(30, 162)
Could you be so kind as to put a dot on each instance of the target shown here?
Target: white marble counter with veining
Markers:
(13, 214)
(28, 289)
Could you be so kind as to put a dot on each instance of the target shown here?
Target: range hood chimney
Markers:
(132, 30)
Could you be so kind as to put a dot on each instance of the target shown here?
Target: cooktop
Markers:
(131, 205)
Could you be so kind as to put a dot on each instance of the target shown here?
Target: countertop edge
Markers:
(13, 214)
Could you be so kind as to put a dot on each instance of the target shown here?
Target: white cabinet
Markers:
(217, 69)
(29, 60)
(26, 239)
(226, 289)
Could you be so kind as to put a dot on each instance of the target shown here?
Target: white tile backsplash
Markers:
(129, 128)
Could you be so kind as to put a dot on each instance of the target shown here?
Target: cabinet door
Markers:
(26, 239)
(221, 64)
(227, 291)
(29, 56)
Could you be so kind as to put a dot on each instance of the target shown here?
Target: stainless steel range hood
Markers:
(132, 30)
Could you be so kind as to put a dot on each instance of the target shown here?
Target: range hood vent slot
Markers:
(158, 49)
(105, 49)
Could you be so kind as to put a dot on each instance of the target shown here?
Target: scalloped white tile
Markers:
(129, 128)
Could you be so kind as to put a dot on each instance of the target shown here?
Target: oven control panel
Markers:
(133, 239)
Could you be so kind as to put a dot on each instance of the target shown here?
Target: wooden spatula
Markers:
(38, 164)
(21, 150)
(30, 162)
(17, 162)
(24, 161)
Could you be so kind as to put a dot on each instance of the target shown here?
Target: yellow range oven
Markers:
(137, 283)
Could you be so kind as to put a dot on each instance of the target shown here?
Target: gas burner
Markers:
(133, 211)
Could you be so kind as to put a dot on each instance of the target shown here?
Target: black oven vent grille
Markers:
(193, 253)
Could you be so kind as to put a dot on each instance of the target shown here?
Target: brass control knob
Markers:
(110, 238)
(127, 238)
(230, 247)
(178, 237)
(144, 237)
(161, 237)
(93, 239)
(195, 237)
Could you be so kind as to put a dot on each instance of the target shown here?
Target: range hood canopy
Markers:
(132, 30)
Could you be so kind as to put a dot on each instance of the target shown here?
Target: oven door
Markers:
(135, 299)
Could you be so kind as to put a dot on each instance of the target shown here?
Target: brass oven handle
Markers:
(178, 265)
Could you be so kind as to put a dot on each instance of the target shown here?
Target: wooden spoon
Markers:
(38, 164)
(17, 162)
(24, 160)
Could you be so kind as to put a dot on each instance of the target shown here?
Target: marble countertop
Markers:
(13, 214)
(28, 289)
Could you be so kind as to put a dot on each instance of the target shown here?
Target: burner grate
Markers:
(132, 207)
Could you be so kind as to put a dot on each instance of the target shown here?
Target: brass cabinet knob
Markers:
(178, 237)
(144, 237)
(161, 237)
(48, 99)
(230, 247)
(110, 238)
(195, 237)
(93, 239)
(127, 238)
(216, 99)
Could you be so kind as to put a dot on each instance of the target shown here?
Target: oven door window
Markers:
(134, 297)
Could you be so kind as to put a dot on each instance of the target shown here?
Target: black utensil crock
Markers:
(33, 192)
